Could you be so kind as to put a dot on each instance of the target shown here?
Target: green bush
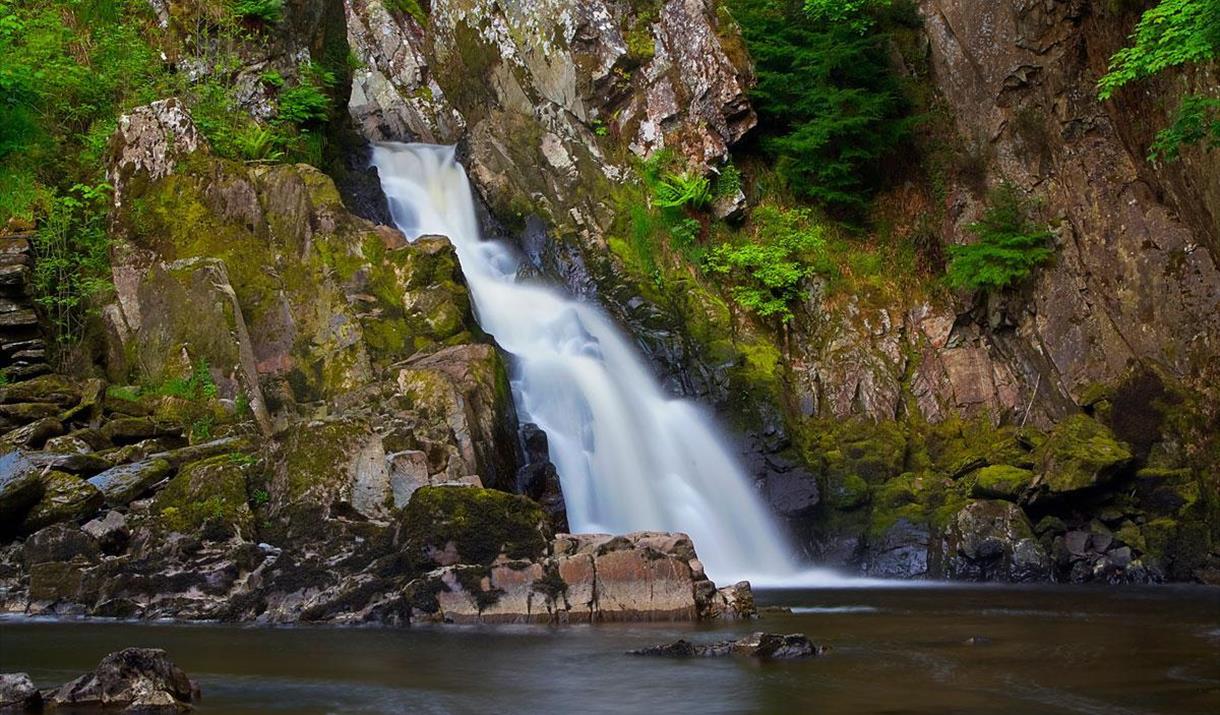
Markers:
(831, 108)
(1009, 248)
(766, 271)
(265, 11)
(1174, 33)
(72, 269)
(307, 102)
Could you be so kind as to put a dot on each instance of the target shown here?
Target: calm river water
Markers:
(913, 650)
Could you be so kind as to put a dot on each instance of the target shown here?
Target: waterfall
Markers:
(630, 457)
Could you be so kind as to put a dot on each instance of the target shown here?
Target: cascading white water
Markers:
(630, 458)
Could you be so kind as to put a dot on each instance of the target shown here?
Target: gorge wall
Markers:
(868, 421)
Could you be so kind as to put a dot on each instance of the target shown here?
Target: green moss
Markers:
(211, 490)
(1080, 453)
(1001, 482)
(480, 523)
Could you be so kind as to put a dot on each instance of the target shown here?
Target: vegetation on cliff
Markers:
(1172, 34)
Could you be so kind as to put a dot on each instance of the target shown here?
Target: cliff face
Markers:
(867, 391)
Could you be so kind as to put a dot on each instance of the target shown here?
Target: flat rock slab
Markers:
(765, 646)
(124, 484)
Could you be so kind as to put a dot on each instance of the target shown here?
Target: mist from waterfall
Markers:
(630, 457)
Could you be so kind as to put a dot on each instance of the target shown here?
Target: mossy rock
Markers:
(1081, 453)
(1001, 481)
(477, 524)
(213, 490)
(64, 498)
(848, 492)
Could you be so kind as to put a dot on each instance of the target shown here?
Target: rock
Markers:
(149, 143)
(33, 434)
(64, 498)
(764, 646)
(792, 493)
(134, 679)
(211, 493)
(110, 531)
(1080, 454)
(61, 542)
(20, 487)
(992, 541)
(128, 430)
(18, 694)
(454, 525)
(124, 484)
(76, 463)
(53, 389)
(1001, 481)
(901, 552)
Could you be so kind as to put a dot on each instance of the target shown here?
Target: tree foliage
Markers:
(831, 108)
(1172, 34)
(1009, 248)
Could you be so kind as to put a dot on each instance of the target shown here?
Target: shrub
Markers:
(72, 267)
(767, 270)
(1009, 248)
(265, 11)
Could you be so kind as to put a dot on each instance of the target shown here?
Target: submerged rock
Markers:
(134, 680)
(765, 646)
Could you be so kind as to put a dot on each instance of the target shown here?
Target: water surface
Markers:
(1034, 650)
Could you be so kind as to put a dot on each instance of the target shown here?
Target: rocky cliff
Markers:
(870, 418)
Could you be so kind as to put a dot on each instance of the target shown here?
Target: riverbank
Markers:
(992, 649)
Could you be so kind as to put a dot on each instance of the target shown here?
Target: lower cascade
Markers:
(630, 457)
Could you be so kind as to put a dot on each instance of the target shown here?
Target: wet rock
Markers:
(18, 694)
(764, 646)
(901, 552)
(124, 484)
(20, 487)
(32, 435)
(134, 680)
(792, 492)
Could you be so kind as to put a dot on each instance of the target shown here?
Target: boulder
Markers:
(450, 525)
(900, 552)
(134, 680)
(1001, 481)
(64, 498)
(18, 694)
(1080, 454)
(210, 493)
(52, 389)
(123, 484)
(764, 646)
(992, 541)
(792, 493)
(20, 487)
(110, 531)
(61, 542)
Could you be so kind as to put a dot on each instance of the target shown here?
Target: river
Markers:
(1045, 649)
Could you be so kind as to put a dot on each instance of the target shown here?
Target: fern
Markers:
(1009, 248)
(676, 191)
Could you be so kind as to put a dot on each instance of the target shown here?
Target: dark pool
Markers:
(1035, 650)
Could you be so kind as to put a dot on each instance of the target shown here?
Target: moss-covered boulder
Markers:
(127, 482)
(20, 488)
(1080, 454)
(64, 498)
(208, 493)
(467, 525)
(1001, 481)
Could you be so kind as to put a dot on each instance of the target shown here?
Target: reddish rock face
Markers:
(645, 576)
